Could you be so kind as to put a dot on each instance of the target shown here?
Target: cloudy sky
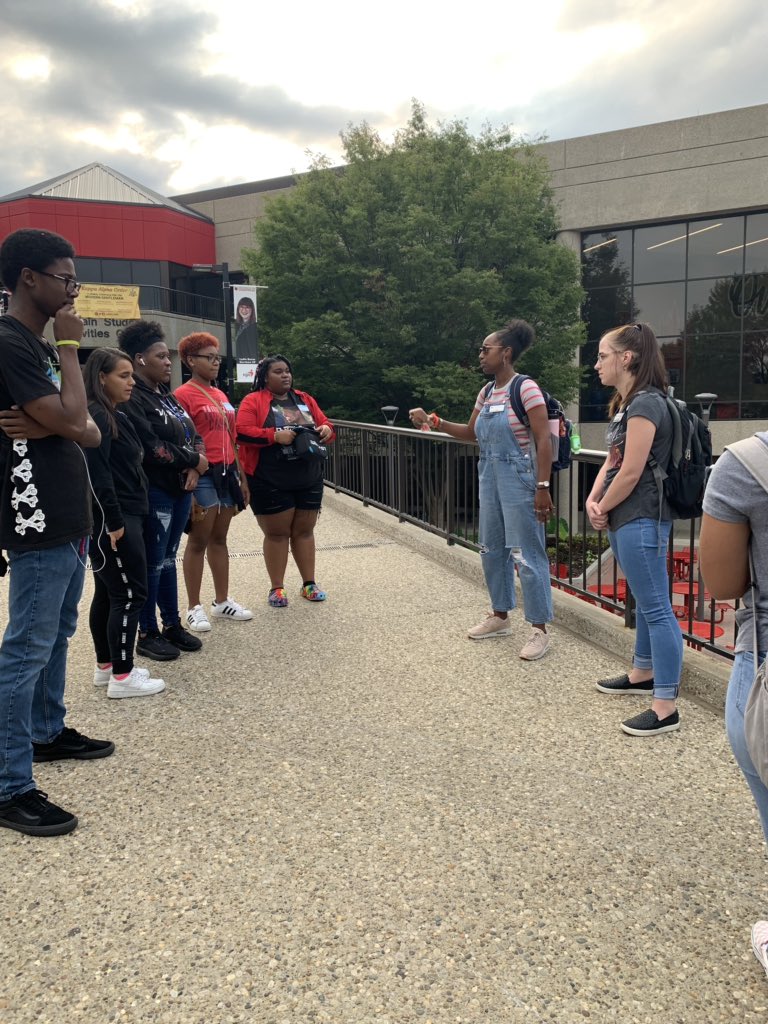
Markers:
(184, 95)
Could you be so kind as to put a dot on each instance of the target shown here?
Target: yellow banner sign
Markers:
(97, 301)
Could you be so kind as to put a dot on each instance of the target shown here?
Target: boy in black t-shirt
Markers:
(45, 520)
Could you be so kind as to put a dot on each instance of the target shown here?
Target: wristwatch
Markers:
(542, 486)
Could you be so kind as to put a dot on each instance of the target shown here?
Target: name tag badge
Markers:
(303, 407)
(496, 408)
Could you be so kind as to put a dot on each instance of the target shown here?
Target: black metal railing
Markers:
(171, 300)
(430, 480)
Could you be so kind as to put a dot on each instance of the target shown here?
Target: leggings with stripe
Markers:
(120, 590)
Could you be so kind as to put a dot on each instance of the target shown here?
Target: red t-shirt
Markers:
(209, 422)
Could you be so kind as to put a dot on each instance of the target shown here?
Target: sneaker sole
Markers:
(649, 732)
(134, 693)
(629, 689)
(232, 618)
(535, 657)
(490, 636)
(88, 755)
(156, 657)
(198, 629)
(42, 830)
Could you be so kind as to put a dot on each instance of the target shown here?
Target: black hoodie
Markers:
(171, 443)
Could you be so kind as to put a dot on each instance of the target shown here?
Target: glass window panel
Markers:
(712, 364)
(714, 307)
(145, 272)
(716, 247)
(660, 253)
(87, 270)
(754, 384)
(116, 271)
(673, 351)
(594, 398)
(756, 254)
(662, 306)
(605, 308)
(750, 294)
(606, 259)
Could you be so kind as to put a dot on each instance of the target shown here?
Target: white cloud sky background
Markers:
(183, 96)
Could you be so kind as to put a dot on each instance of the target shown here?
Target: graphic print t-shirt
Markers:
(274, 468)
(643, 502)
(44, 499)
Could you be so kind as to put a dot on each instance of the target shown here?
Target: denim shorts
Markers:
(207, 496)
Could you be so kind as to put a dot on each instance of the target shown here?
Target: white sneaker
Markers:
(101, 676)
(230, 609)
(197, 620)
(760, 943)
(536, 646)
(491, 626)
(136, 684)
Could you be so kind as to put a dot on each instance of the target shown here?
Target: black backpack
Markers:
(684, 480)
(561, 439)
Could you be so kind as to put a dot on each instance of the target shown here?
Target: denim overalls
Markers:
(509, 531)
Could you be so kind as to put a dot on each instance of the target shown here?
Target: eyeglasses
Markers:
(213, 360)
(485, 349)
(71, 285)
(602, 356)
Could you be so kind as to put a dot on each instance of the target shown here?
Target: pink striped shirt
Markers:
(530, 396)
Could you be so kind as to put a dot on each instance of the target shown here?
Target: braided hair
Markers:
(262, 368)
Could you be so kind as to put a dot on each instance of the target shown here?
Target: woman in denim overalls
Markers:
(515, 501)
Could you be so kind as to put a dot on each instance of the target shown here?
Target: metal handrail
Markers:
(429, 479)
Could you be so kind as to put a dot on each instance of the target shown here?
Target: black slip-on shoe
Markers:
(647, 723)
(156, 647)
(73, 746)
(181, 638)
(621, 684)
(33, 814)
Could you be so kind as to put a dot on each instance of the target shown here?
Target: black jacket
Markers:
(171, 443)
(119, 483)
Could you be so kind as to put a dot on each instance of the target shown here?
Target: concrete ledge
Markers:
(705, 677)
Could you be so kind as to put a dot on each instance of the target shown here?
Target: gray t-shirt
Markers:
(734, 496)
(643, 502)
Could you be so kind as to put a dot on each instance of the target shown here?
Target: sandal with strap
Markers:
(312, 592)
(278, 598)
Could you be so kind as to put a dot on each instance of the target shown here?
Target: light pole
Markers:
(390, 414)
(223, 269)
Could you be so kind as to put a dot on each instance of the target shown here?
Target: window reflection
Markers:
(660, 253)
(756, 252)
(605, 308)
(662, 306)
(714, 307)
(712, 364)
(716, 248)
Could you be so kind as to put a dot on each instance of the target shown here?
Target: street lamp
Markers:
(706, 399)
(390, 413)
(223, 269)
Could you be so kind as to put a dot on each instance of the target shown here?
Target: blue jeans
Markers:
(45, 587)
(163, 528)
(658, 640)
(739, 686)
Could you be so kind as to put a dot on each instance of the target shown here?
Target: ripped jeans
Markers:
(510, 535)
(163, 528)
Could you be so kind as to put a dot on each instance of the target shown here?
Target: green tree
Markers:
(385, 275)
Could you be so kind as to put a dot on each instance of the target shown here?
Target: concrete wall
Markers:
(234, 217)
(696, 166)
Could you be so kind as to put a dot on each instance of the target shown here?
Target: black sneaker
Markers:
(647, 723)
(621, 684)
(181, 638)
(33, 814)
(72, 745)
(154, 646)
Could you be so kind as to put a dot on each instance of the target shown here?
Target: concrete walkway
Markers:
(349, 813)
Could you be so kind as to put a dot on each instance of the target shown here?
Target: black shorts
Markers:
(267, 500)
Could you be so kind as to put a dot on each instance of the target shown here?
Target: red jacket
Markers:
(252, 435)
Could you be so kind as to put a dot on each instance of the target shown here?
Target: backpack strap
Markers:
(753, 455)
(516, 400)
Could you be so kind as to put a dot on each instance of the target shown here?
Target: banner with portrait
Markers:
(246, 331)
